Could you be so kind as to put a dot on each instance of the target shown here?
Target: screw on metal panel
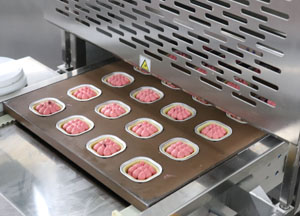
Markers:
(284, 207)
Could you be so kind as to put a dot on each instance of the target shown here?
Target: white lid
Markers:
(10, 72)
(22, 82)
(5, 59)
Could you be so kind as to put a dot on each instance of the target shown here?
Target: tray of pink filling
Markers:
(84, 92)
(140, 169)
(118, 79)
(102, 157)
(112, 109)
(144, 128)
(179, 149)
(47, 106)
(201, 100)
(213, 130)
(74, 125)
(178, 112)
(106, 146)
(146, 95)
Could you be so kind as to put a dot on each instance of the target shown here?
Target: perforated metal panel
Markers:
(241, 55)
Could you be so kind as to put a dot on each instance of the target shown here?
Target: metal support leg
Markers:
(78, 52)
(73, 52)
(290, 177)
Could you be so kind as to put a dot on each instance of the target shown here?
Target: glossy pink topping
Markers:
(141, 170)
(118, 80)
(47, 107)
(106, 147)
(84, 93)
(213, 131)
(144, 129)
(179, 150)
(179, 113)
(75, 126)
(147, 95)
(112, 110)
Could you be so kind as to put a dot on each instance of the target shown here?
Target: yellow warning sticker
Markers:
(145, 63)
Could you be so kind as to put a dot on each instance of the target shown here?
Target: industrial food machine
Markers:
(238, 55)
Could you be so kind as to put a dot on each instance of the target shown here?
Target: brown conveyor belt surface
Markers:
(175, 174)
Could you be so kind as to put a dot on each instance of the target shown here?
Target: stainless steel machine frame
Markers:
(204, 47)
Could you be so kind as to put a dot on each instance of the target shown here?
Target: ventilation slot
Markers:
(167, 39)
(141, 28)
(153, 41)
(264, 100)
(184, 39)
(115, 30)
(215, 36)
(104, 5)
(235, 17)
(213, 68)
(244, 99)
(140, 42)
(131, 45)
(254, 15)
(275, 13)
(232, 51)
(104, 18)
(270, 49)
(181, 69)
(249, 67)
(93, 20)
(82, 22)
(62, 12)
(115, 17)
(131, 2)
(104, 32)
(152, 10)
(185, 7)
(167, 54)
(211, 83)
(268, 66)
(172, 10)
(272, 31)
(196, 52)
(82, 9)
(252, 33)
(243, 2)
(228, 83)
(221, 3)
(198, 37)
(168, 24)
(141, 13)
(153, 55)
(202, 5)
(128, 29)
(214, 52)
(229, 67)
(245, 83)
(200, 21)
(154, 26)
(216, 19)
(116, 3)
(180, 53)
(250, 50)
(92, 7)
(196, 68)
(128, 15)
(233, 34)
(265, 83)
